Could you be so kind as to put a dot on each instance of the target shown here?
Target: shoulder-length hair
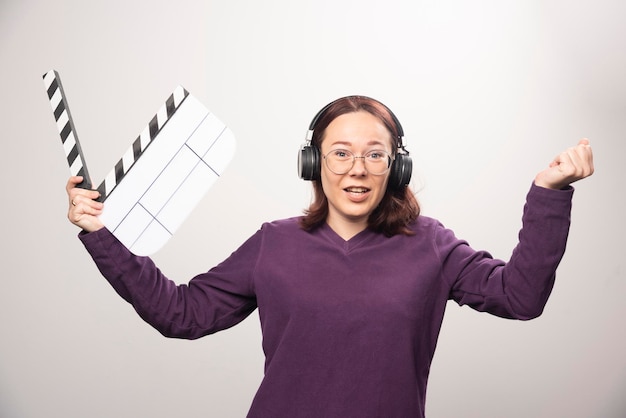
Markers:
(398, 207)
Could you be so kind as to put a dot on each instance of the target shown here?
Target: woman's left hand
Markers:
(571, 165)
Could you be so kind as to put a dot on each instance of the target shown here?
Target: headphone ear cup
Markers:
(401, 170)
(309, 163)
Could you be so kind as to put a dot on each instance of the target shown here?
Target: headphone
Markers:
(309, 160)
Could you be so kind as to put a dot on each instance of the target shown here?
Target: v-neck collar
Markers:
(346, 245)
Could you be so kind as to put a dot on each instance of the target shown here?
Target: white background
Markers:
(487, 91)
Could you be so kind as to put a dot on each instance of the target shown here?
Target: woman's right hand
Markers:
(83, 208)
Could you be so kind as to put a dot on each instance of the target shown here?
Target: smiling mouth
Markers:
(358, 190)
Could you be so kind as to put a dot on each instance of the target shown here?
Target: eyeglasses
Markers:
(340, 161)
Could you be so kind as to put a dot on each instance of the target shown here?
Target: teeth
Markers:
(356, 189)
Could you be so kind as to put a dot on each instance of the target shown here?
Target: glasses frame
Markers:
(390, 160)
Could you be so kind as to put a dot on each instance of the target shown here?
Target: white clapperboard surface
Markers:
(163, 175)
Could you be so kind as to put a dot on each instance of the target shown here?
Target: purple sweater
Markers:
(349, 327)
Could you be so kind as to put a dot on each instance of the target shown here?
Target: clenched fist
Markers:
(571, 165)
(83, 209)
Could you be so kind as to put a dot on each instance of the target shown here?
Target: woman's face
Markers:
(353, 196)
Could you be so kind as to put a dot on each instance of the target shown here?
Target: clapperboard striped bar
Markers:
(65, 125)
(165, 173)
(142, 142)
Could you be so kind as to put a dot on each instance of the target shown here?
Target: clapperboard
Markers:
(163, 175)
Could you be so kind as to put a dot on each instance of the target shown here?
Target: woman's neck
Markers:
(345, 228)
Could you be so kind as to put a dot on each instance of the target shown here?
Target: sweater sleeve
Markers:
(210, 302)
(519, 288)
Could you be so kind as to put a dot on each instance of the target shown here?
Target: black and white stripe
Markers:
(143, 141)
(72, 147)
(65, 125)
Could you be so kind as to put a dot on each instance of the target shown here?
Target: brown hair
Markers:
(398, 207)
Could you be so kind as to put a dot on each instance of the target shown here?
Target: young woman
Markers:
(351, 296)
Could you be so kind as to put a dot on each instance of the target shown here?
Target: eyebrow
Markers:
(347, 143)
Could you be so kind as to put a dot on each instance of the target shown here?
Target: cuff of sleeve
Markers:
(102, 238)
(549, 202)
(562, 194)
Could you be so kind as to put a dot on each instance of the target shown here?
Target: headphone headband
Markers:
(321, 113)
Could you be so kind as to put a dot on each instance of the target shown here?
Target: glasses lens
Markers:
(341, 161)
(377, 162)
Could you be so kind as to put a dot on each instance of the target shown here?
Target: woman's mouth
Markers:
(356, 190)
(357, 194)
